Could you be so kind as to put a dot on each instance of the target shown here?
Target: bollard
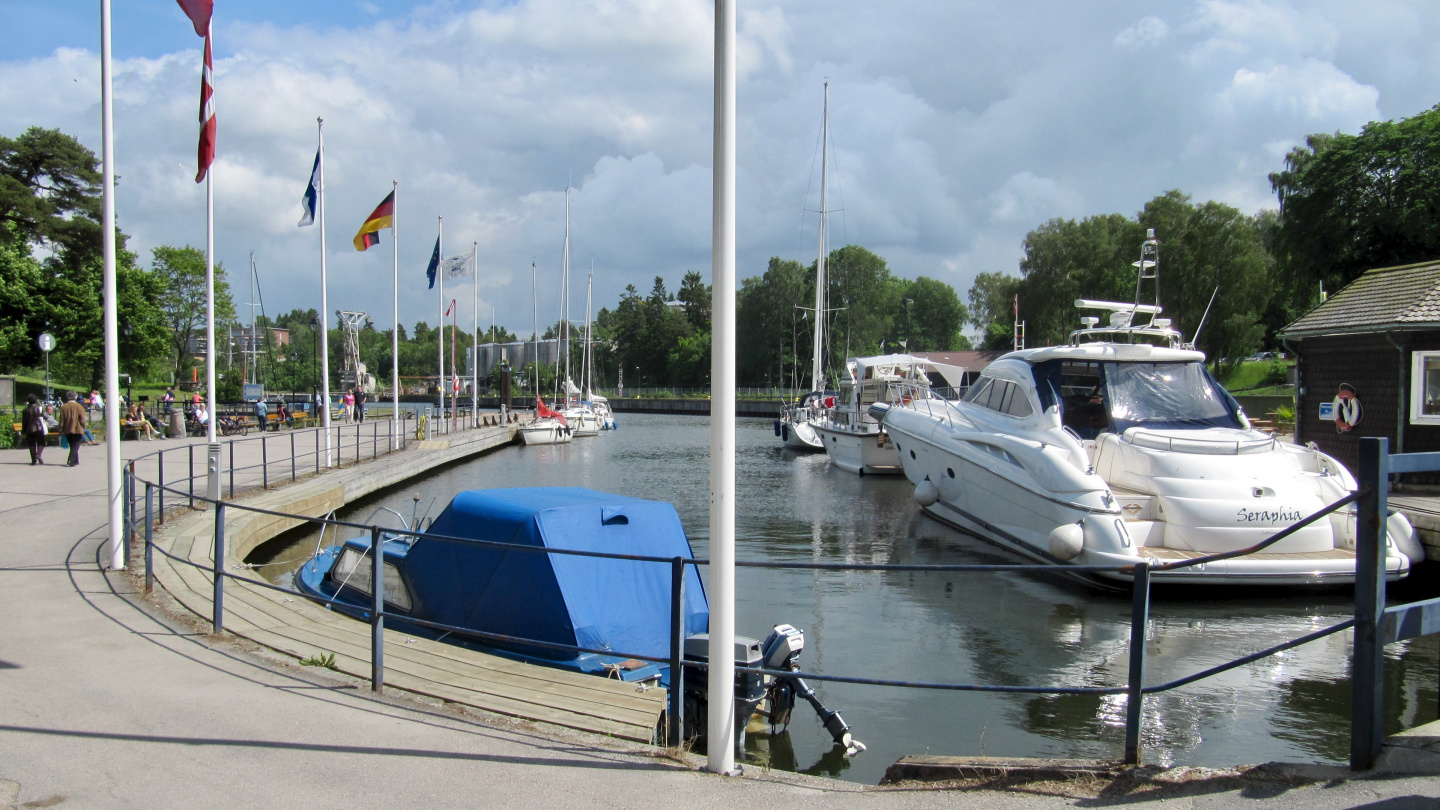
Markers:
(676, 709)
(217, 618)
(1367, 663)
(149, 539)
(377, 611)
(1135, 694)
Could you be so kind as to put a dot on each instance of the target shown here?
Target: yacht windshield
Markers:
(1166, 395)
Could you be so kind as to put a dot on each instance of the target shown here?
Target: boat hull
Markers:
(980, 494)
(862, 452)
(800, 436)
(542, 433)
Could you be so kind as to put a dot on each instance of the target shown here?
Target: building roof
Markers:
(1385, 298)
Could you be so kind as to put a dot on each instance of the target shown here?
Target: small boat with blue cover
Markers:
(469, 570)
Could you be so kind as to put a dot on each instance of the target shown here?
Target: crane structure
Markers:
(352, 372)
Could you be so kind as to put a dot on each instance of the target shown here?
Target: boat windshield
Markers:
(1094, 397)
(1166, 395)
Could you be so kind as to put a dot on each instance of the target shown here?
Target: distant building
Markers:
(519, 353)
(241, 340)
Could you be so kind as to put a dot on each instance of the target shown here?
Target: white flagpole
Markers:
(212, 489)
(440, 311)
(113, 469)
(721, 677)
(324, 304)
(395, 320)
(475, 338)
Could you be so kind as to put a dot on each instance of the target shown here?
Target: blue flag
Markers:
(307, 203)
(434, 267)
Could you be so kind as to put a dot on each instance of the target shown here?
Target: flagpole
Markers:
(395, 320)
(721, 678)
(212, 488)
(324, 303)
(440, 313)
(475, 339)
(113, 471)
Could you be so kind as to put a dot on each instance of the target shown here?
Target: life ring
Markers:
(1347, 409)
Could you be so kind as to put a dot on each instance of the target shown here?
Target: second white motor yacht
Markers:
(855, 440)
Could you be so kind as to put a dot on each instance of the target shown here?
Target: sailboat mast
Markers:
(588, 369)
(817, 366)
(565, 306)
(535, 318)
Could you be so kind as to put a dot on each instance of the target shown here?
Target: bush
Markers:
(1276, 373)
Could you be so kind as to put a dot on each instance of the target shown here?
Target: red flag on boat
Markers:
(545, 413)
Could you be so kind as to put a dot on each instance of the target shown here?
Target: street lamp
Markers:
(128, 330)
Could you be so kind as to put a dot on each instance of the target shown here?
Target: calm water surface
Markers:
(960, 628)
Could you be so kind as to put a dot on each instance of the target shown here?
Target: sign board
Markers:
(253, 392)
(47, 342)
(1327, 411)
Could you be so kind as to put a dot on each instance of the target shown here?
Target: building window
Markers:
(1425, 388)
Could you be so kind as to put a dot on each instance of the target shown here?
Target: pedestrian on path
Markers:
(32, 426)
(72, 426)
(347, 404)
(360, 405)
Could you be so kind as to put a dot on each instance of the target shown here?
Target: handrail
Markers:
(1140, 596)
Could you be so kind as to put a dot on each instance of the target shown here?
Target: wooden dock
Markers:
(295, 626)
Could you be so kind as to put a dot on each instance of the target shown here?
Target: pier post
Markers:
(676, 709)
(1367, 664)
(1135, 694)
(217, 620)
(377, 610)
(149, 539)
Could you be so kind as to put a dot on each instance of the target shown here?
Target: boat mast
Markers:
(588, 368)
(565, 305)
(535, 319)
(817, 366)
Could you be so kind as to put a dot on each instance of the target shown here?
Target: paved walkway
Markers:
(104, 704)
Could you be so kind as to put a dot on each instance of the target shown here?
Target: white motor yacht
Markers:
(855, 440)
(1120, 448)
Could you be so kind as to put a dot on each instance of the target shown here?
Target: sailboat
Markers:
(597, 404)
(548, 427)
(581, 418)
(796, 425)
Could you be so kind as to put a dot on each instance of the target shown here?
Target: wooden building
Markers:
(1368, 364)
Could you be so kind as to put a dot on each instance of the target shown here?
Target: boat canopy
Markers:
(1094, 395)
(621, 605)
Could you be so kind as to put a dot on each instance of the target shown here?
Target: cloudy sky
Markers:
(957, 125)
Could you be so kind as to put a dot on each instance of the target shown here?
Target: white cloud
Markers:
(1147, 33)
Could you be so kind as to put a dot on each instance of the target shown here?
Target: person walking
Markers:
(167, 401)
(348, 404)
(72, 426)
(32, 426)
(359, 404)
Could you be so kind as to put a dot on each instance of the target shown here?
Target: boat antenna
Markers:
(1195, 338)
(1149, 265)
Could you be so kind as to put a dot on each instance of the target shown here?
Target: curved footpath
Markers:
(106, 702)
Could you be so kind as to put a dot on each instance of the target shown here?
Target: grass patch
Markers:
(326, 661)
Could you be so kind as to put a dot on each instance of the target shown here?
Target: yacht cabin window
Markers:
(1001, 396)
(1094, 397)
(354, 570)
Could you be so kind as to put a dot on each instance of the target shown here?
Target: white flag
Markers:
(459, 266)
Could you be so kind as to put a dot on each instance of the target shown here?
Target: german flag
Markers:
(382, 217)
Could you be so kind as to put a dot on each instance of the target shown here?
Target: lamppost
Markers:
(314, 357)
(128, 330)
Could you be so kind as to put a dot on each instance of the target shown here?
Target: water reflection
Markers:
(960, 628)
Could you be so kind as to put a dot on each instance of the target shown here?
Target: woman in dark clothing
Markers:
(32, 425)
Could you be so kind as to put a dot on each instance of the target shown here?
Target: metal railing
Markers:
(1374, 624)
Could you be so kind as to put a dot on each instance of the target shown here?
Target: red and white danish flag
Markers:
(206, 151)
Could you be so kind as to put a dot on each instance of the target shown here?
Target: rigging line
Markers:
(844, 223)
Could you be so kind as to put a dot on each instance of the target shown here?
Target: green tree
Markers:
(767, 314)
(695, 294)
(181, 273)
(931, 316)
(50, 192)
(1349, 203)
(867, 300)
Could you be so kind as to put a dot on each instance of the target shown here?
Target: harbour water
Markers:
(1014, 629)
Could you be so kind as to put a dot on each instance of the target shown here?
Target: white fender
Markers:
(926, 493)
(1405, 538)
(1067, 541)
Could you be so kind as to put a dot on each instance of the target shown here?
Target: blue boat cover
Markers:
(620, 605)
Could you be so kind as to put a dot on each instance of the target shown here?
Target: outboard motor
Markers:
(781, 651)
(749, 686)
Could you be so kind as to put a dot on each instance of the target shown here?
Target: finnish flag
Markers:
(307, 203)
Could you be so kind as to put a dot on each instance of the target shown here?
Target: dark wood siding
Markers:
(1380, 374)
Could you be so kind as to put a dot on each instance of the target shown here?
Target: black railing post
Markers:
(318, 428)
(1135, 695)
(217, 619)
(160, 459)
(232, 469)
(192, 481)
(377, 611)
(357, 444)
(149, 539)
(127, 509)
(292, 456)
(1367, 673)
(264, 460)
(676, 710)
(374, 441)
